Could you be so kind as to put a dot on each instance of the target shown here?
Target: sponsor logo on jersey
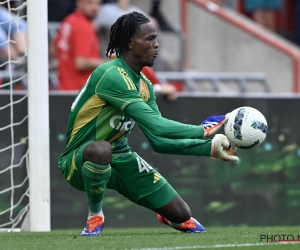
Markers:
(119, 123)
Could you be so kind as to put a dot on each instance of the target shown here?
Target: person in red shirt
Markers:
(77, 46)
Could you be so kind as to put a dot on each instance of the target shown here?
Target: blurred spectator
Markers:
(59, 9)
(263, 11)
(165, 89)
(112, 10)
(156, 13)
(77, 46)
(12, 28)
(109, 12)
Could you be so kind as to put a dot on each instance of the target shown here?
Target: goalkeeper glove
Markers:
(212, 124)
(222, 149)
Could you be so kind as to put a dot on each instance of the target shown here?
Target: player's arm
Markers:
(111, 87)
(178, 146)
(211, 125)
(151, 120)
(219, 147)
(149, 117)
(119, 91)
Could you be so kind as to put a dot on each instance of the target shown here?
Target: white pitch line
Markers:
(219, 246)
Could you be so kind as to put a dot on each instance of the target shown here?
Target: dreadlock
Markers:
(122, 31)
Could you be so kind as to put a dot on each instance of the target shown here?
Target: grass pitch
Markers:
(154, 238)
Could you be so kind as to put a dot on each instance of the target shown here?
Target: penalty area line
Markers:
(218, 246)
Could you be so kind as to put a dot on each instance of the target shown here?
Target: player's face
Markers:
(144, 45)
(89, 7)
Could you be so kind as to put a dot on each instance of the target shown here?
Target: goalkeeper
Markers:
(115, 97)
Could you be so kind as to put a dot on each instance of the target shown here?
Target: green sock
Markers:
(95, 178)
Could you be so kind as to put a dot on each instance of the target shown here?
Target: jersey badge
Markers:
(144, 91)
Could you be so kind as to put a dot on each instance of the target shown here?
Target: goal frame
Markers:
(38, 117)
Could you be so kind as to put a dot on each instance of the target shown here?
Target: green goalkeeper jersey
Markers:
(112, 101)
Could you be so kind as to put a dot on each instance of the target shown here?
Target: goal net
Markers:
(24, 121)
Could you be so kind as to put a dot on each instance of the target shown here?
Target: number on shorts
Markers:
(143, 165)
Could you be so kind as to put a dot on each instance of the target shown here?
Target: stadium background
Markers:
(263, 189)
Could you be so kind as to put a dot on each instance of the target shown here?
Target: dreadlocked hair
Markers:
(122, 31)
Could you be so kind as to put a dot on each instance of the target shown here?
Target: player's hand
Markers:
(212, 124)
(222, 149)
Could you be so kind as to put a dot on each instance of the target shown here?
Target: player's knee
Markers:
(98, 152)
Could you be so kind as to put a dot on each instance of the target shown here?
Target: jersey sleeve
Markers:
(151, 120)
(153, 105)
(167, 136)
(162, 145)
(116, 87)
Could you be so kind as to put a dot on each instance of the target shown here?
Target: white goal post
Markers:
(38, 116)
(24, 153)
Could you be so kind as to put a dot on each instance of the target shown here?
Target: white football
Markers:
(246, 127)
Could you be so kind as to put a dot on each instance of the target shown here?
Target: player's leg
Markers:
(174, 213)
(177, 214)
(135, 179)
(176, 210)
(88, 169)
(96, 172)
